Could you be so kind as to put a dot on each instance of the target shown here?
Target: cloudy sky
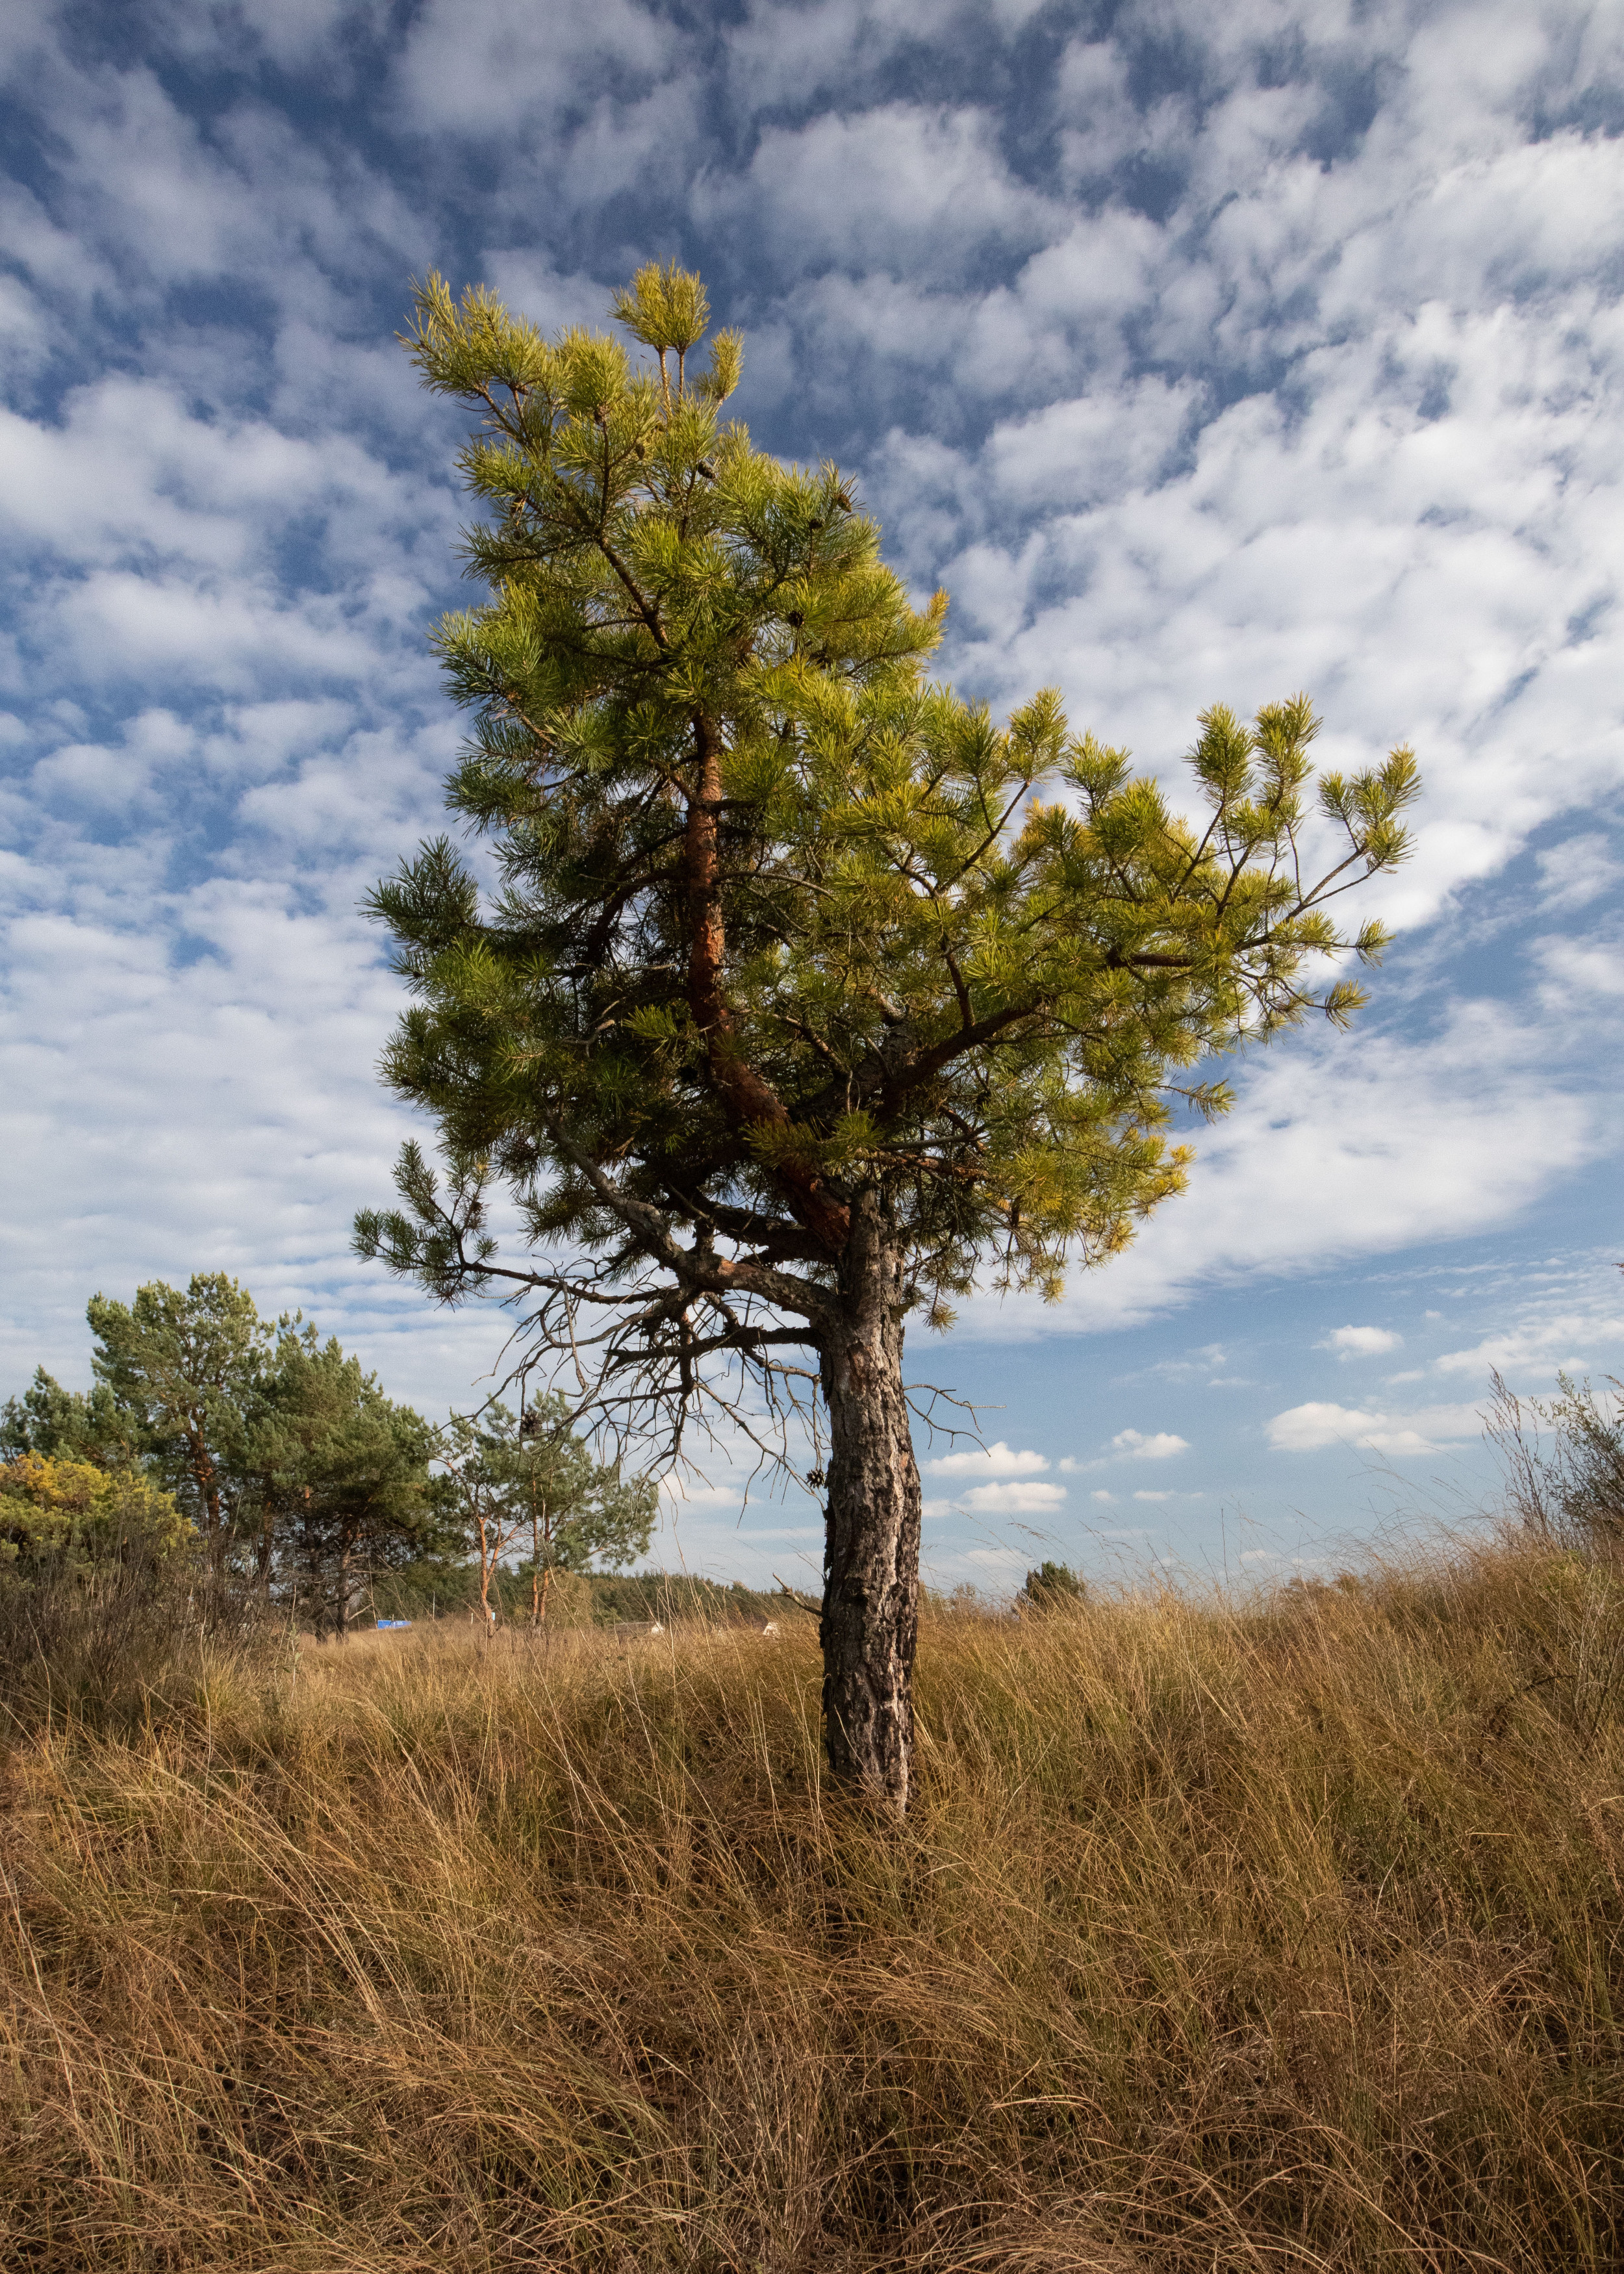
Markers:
(1202, 353)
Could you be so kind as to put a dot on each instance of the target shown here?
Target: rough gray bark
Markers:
(870, 1618)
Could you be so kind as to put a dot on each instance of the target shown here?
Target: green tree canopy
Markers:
(66, 1423)
(808, 992)
(579, 1512)
(1051, 1587)
(299, 1475)
(341, 1486)
(188, 1368)
(531, 1480)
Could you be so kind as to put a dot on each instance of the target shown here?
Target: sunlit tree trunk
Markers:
(541, 1535)
(490, 1547)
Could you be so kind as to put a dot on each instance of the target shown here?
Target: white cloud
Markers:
(688, 1492)
(1161, 1447)
(997, 1460)
(1360, 1342)
(1310, 1427)
(1543, 1340)
(530, 283)
(1579, 975)
(1077, 453)
(1014, 1499)
(985, 1566)
(482, 66)
(129, 468)
(1304, 1428)
(1577, 871)
(904, 186)
(293, 32)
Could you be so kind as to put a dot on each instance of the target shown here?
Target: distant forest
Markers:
(266, 1468)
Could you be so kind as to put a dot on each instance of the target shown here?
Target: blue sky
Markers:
(1201, 353)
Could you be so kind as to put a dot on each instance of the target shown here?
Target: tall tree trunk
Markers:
(207, 1479)
(486, 1560)
(870, 1621)
(267, 1538)
(539, 1524)
(345, 1556)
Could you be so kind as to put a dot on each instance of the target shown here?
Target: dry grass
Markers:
(1266, 1939)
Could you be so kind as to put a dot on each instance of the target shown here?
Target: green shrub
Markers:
(1051, 1587)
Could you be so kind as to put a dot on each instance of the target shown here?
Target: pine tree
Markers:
(188, 1368)
(476, 1450)
(338, 1485)
(1051, 1587)
(809, 994)
(69, 1423)
(577, 1511)
(531, 1479)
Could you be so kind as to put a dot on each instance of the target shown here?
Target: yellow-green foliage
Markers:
(967, 962)
(71, 1512)
(1274, 1938)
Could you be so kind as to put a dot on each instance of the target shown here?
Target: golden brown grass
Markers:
(1221, 1937)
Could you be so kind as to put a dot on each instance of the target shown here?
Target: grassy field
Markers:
(1223, 1937)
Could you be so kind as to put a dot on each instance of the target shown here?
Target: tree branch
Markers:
(693, 1268)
